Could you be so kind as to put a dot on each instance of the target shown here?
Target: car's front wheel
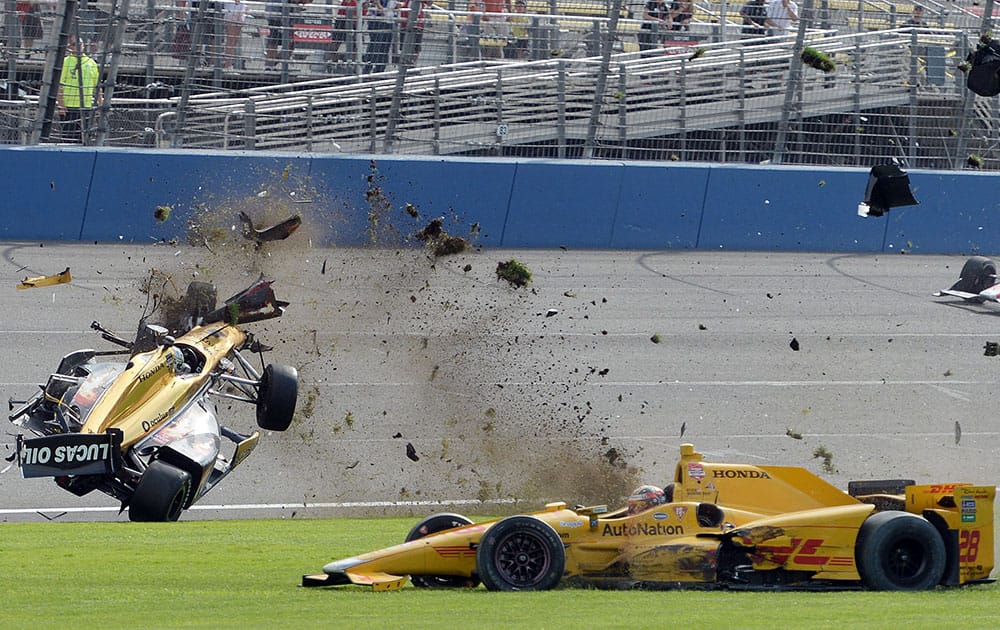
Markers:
(520, 553)
(276, 396)
(431, 525)
(161, 494)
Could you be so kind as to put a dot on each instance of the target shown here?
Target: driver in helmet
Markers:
(645, 497)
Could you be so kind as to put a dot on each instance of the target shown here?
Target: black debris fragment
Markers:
(794, 345)
(278, 232)
(411, 452)
(958, 433)
(991, 349)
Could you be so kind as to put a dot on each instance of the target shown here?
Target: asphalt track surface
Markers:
(552, 391)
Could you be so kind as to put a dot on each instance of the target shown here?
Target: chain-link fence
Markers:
(529, 82)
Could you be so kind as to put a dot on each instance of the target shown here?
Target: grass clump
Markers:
(513, 272)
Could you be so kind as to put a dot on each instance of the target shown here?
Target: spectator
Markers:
(418, 29)
(78, 91)
(494, 28)
(655, 22)
(31, 25)
(234, 14)
(382, 13)
(917, 17)
(754, 14)
(681, 13)
(279, 29)
(518, 49)
(343, 26)
(780, 16)
(469, 32)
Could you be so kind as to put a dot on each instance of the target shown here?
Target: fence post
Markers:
(250, 124)
(622, 108)
(498, 143)
(561, 108)
(373, 128)
(436, 143)
(794, 80)
(601, 84)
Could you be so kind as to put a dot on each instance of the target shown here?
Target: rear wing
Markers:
(963, 514)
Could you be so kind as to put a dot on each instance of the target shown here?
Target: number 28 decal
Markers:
(968, 545)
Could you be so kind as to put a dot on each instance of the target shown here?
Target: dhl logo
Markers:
(804, 551)
(455, 551)
(944, 488)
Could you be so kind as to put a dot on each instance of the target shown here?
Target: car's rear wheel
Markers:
(431, 525)
(521, 553)
(276, 396)
(161, 494)
(899, 551)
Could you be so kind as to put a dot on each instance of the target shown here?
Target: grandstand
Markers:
(705, 95)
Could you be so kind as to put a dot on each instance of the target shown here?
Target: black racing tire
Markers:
(431, 525)
(899, 551)
(520, 553)
(978, 273)
(161, 494)
(276, 397)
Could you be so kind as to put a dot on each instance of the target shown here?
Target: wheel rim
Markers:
(522, 559)
(906, 561)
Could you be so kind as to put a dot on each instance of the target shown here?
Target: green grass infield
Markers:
(246, 574)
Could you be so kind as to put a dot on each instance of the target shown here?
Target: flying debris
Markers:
(63, 277)
(888, 187)
(278, 232)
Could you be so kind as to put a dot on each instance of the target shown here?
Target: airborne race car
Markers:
(727, 525)
(144, 429)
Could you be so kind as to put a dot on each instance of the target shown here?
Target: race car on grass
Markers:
(721, 525)
(140, 423)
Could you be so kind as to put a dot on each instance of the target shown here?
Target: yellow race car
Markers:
(140, 424)
(727, 525)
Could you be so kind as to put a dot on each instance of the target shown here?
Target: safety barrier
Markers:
(112, 195)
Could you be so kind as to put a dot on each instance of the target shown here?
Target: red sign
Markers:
(311, 33)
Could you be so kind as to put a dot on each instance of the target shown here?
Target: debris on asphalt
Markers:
(411, 452)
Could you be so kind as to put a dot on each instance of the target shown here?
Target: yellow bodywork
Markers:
(63, 277)
(150, 391)
(774, 517)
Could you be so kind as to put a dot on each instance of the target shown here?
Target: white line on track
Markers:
(278, 506)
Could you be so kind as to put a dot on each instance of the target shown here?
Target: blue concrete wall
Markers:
(104, 195)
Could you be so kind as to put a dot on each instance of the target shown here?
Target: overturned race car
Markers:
(977, 282)
(722, 525)
(140, 424)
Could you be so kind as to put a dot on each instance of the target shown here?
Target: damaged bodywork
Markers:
(723, 525)
(140, 423)
(976, 283)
